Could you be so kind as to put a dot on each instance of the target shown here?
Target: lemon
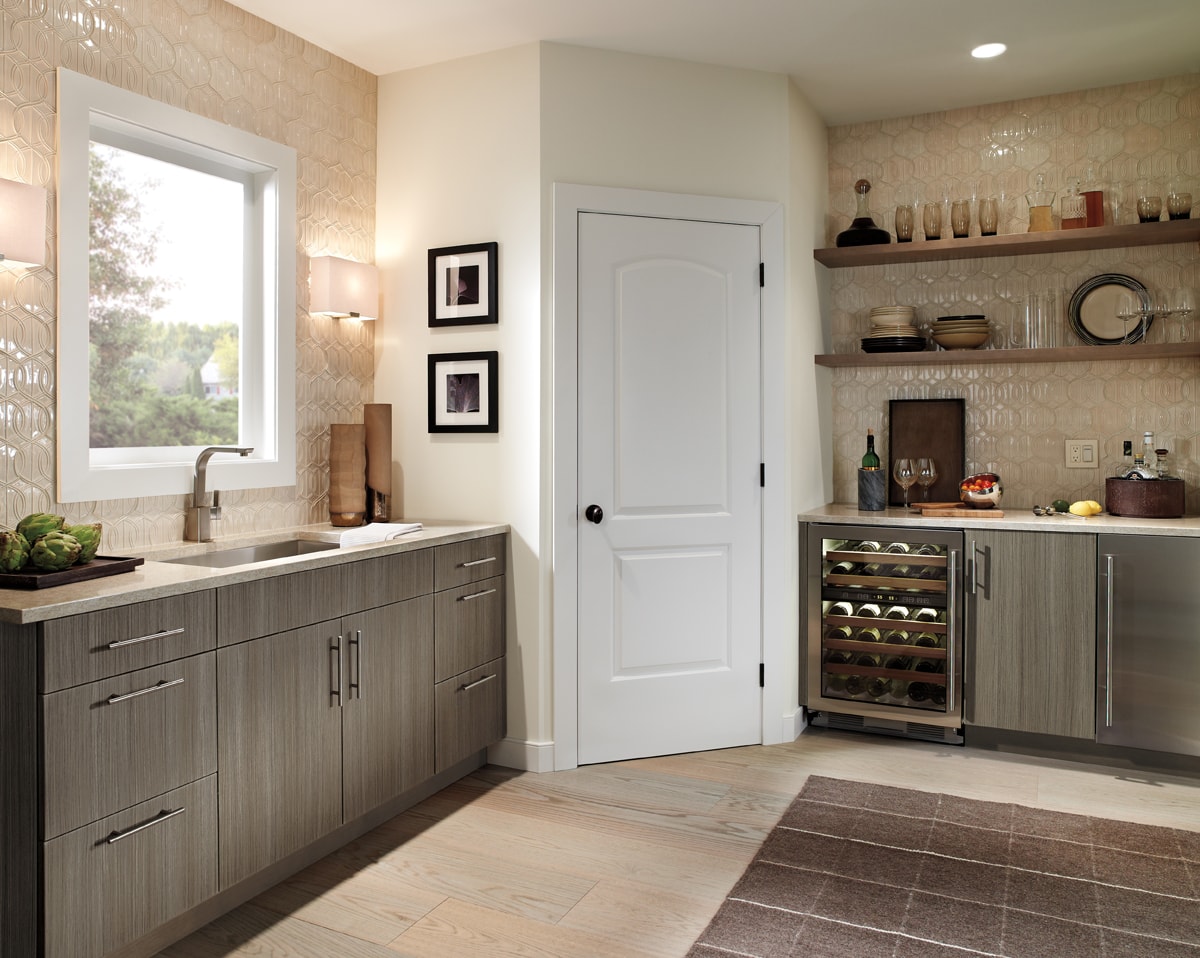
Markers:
(1095, 507)
(1085, 507)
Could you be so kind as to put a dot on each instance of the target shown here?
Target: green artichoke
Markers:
(36, 525)
(88, 534)
(54, 551)
(14, 551)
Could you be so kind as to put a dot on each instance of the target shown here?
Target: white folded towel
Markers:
(377, 532)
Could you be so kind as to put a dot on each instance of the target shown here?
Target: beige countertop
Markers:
(157, 579)
(1020, 520)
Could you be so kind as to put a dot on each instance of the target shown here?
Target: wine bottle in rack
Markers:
(895, 637)
(844, 567)
(840, 608)
(838, 632)
(869, 610)
(867, 660)
(896, 547)
(896, 612)
(937, 694)
(919, 691)
(856, 684)
(929, 665)
(868, 634)
(926, 549)
(926, 615)
(876, 687)
(868, 545)
(834, 681)
(928, 640)
(901, 663)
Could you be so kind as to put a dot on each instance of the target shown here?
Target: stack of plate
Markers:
(893, 330)
(961, 332)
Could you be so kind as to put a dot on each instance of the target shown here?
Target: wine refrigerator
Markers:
(883, 643)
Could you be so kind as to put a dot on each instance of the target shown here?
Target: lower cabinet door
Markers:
(470, 712)
(109, 883)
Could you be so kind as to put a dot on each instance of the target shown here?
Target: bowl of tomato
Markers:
(982, 490)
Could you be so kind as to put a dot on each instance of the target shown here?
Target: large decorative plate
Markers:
(1093, 310)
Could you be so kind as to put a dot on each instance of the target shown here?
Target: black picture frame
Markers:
(464, 392)
(464, 285)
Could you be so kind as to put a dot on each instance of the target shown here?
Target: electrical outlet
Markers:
(1083, 454)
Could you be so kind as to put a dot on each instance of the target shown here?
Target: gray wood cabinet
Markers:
(1031, 638)
(155, 754)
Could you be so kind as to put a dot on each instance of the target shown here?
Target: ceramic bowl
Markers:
(960, 339)
(981, 491)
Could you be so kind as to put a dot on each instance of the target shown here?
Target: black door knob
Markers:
(594, 513)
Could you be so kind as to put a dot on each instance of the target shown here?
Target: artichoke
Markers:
(14, 551)
(54, 551)
(88, 534)
(36, 525)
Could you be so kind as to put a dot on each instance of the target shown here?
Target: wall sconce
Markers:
(342, 288)
(22, 224)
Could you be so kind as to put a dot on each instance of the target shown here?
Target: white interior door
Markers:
(669, 452)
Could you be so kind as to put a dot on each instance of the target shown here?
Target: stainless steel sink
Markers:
(248, 555)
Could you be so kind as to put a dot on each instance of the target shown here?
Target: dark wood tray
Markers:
(99, 567)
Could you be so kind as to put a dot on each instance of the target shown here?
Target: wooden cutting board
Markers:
(936, 509)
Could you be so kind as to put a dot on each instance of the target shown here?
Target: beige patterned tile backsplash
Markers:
(1019, 416)
(214, 59)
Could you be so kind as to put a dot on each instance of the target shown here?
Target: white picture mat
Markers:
(448, 266)
(457, 368)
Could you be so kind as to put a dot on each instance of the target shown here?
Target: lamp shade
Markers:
(22, 224)
(341, 287)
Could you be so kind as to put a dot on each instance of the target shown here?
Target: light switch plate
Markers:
(1083, 454)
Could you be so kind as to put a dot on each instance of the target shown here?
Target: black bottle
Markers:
(863, 231)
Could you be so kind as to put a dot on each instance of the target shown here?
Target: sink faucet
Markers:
(197, 526)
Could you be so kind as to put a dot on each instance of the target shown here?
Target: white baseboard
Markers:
(522, 755)
(793, 725)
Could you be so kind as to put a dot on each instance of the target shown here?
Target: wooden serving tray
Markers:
(99, 567)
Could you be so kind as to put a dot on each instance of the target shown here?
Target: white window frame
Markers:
(90, 109)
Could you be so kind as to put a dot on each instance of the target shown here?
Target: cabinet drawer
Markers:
(461, 562)
(109, 883)
(470, 712)
(116, 742)
(95, 645)
(468, 627)
(381, 581)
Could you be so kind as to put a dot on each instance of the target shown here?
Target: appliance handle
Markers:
(1108, 639)
(951, 633)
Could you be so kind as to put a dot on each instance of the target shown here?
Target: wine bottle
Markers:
(896, 548)
(867, 660)
(856, 684)
(868, 546)
(937, 694)
(896, 612)
(838, 657)
(928, 640)
(845, 567)
(869, 634)
(895, 637)
(919, 691)
(877, 687)
(926, 549)
(840, 608)
(838, 632)
(929, 665)
(926, 615)
(901, 663)
(869, 610)
(871, 459)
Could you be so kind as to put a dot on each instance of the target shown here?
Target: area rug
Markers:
(867, 871)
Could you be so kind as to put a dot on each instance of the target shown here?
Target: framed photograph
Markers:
(935, 428)
(464, 392)
(463, 285)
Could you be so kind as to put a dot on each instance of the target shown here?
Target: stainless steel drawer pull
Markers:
(157, 687)
(121, 643)
(475, 595)
(467, 565)
(156, 820)
(471, 685)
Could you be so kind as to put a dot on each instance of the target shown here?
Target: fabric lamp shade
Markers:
(22, 224)
(341, 287)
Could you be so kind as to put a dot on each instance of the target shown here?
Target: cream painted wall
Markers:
(469, 152)
(616, 120)
(458, 163)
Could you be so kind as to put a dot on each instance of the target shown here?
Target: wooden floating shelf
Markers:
(982, 357)
(1013, 244)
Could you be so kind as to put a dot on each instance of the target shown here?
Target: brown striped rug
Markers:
(867, 871)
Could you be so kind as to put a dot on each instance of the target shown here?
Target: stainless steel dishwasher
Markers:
(1148, 667)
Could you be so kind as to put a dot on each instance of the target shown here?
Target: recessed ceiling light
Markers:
(988, 50)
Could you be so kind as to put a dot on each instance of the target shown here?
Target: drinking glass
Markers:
(1149, 207)
(926, 476)
(989, 215)
(1183, 304)
(1129, 309)
(960, 218)
(1179, 202)
(932, 220)
(904, 224)
(905, 474)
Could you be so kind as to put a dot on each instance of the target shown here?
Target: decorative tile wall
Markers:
(216, 60)
(1019, 416)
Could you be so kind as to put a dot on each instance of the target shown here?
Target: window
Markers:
(176, 297)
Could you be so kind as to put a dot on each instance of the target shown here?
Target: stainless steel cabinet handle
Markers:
(158, 686)
(475, 595)
(121, 643)
(972, 569)
(356, 665)
(335, 672)
(952, 631)
(1108, 640)
(158, 819)
(467, 565)
(471, 685)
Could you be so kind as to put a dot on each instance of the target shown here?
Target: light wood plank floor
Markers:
(628, 860)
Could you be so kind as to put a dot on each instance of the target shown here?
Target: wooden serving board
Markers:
(936, 509)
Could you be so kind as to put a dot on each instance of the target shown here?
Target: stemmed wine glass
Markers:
(926, 476)
(1183, 304)
(1129, 308)
(905, 475)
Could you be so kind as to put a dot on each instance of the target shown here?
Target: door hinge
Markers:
(762, 274)
(762, 675)
(762, 474)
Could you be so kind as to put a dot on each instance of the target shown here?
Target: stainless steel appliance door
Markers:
(1148, 674)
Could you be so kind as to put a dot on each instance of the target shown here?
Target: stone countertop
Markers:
(1018, 520)
(157, 579)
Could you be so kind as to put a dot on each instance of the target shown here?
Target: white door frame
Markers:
(778, 527)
